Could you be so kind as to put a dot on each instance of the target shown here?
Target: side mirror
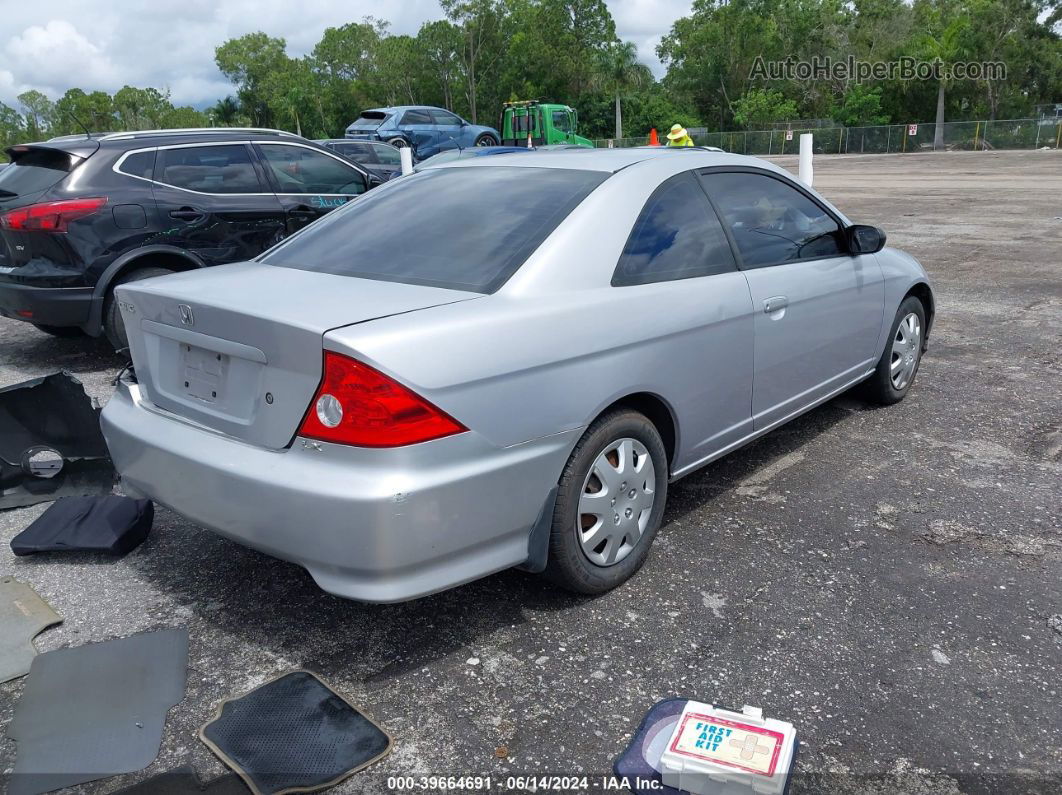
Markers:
(864, 239)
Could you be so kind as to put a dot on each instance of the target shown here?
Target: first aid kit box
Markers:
(715, 751)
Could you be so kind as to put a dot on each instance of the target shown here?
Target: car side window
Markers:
(208, 169)
(561, 121)
(772, 222)
(298, 169)
(416, 117)
(139, 164)
(445, 117)
(677, 236)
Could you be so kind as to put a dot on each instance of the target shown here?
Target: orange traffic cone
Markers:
(653, 140)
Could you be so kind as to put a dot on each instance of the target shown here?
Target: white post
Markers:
(405, 155)
(806, 172)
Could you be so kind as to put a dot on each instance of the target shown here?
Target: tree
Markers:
(861, 107)
(440, 46)
(12, 128)
(944, 23)
(619, 73)
(479, 21)
(39, 113)
(247, 61)
(758, 108)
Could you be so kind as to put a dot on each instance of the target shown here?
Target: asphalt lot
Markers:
(881, 577)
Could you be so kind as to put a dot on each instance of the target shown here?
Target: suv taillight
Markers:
(360, 406)
(49, 216)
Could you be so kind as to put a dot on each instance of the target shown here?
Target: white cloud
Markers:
(170, 43)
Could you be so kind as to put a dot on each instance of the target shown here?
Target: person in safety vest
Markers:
(678, 136)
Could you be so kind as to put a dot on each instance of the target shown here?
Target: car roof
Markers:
(396, 108)
(609, 160)
(196, 135)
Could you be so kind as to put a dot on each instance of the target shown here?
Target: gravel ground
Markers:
(884, 578)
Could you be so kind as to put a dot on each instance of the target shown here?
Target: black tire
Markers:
(398, 143)
(880, 388)
(568, 565)
(486, 140)
(64, 332)
(113, 326)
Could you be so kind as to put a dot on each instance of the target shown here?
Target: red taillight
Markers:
(360, 406)
(50, 216)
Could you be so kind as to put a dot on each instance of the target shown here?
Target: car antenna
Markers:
(80, 123)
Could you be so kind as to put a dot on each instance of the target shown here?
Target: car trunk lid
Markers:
(238, 348)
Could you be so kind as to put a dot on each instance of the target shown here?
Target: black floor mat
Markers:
(113, 525)
(97, 710)
(51, 445)
(294, 734)
(184, 781)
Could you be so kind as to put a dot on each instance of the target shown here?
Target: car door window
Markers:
(677, 236)
(299, 169)
(446, 118)
(416, 117)
(561, 121)
(387, 155)
(208, 169)
(773, 222)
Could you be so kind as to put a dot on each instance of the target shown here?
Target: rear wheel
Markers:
(60, 331)
(398, 143)
(486, 140)
(609, 504)
(899, 362)
(113, 325)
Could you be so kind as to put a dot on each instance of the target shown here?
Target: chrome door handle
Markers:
(772, 305)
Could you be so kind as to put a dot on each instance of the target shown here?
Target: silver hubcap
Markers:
(906, 348)
(616, 502)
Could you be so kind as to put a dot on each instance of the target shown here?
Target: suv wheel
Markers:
(609, 504)
(398, 143)
(113, 326)
(486, 140)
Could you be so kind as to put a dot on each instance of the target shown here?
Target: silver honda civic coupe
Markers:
(503, 362)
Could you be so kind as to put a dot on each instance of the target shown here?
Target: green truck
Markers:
(546, 122)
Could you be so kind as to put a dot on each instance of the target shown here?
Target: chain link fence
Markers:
(884, 139)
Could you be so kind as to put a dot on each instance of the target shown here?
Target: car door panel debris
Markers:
(96, 710)
(294, 734)
(112, 525)
(50, 442)
(23, 616)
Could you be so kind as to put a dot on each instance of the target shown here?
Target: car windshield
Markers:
(459, 228)
(387, 155)
(35, 171)
(369, 120)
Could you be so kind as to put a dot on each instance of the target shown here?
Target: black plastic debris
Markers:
(97, 710)
(294, 734)
(114, 525)
(51, 445)
(184, 781)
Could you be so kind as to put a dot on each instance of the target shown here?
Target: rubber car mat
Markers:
(51, 445)
(293, 734)
(113, 525)
(96, 710)
(23, 616)
(184, 781)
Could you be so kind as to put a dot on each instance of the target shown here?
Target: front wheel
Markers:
(899, 362)
(486, 140)
(610, 503)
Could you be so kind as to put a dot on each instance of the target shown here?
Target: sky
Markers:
(170, 43)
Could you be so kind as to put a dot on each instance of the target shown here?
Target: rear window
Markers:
(35, 170)
(369, 120)
(458, 228)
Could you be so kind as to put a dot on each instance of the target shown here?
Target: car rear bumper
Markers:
(372, 525)
(47, 306)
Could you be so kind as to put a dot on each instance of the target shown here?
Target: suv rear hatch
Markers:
(238, 348)
(365, 126)
(34, 170)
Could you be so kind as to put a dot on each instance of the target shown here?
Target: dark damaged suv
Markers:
(81, 215)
